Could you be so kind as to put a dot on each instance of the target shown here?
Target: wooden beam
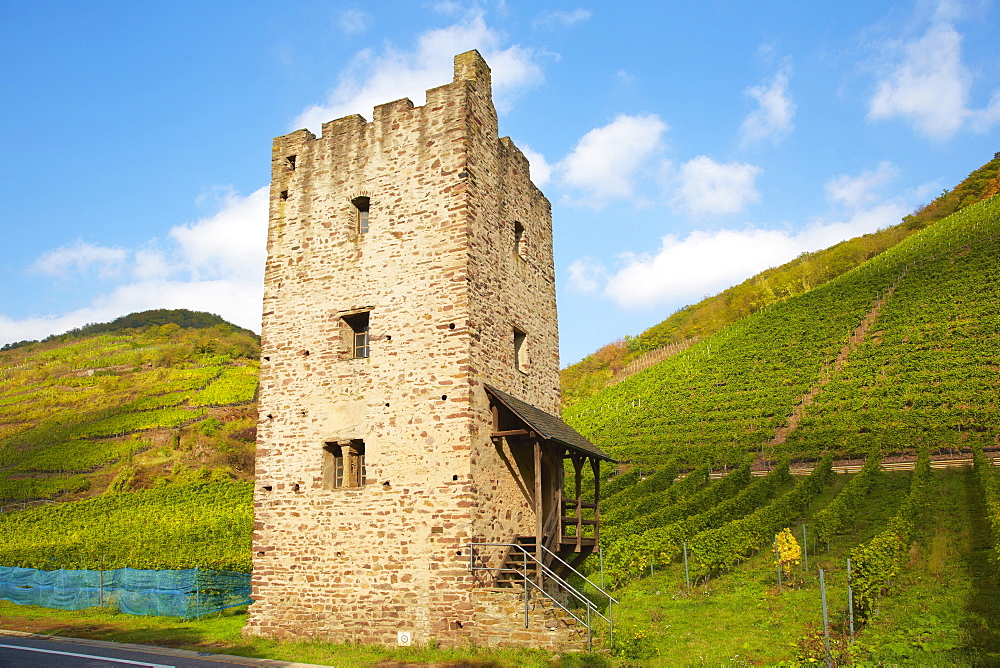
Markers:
(512, 432)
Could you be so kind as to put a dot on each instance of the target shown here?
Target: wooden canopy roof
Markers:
(548, 426)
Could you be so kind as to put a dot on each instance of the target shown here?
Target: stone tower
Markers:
(409, 376)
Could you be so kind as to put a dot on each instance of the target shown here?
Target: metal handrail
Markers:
(611, 599)
(547, 572)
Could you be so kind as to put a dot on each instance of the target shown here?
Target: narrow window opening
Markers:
(358, 323)
(362, 205)
(284, 194)
(291, 161)
(520, 350)
(520, 241)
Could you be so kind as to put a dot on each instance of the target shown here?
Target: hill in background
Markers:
(135, 321)
(145, 400)
(799, 276)
(895, 354)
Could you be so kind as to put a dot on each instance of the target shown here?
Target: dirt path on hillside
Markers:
(828, 372)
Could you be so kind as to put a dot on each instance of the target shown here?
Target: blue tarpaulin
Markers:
(178, 593)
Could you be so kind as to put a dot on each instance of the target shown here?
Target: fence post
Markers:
(687, 575)
(805, 546)
(850, 598)
(197, 594)
(826, 622)
(600, 558)
(777, 560)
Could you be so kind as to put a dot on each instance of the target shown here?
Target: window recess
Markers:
(362, 207)
(344, 465)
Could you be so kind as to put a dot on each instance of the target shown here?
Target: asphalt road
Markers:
(34, 651)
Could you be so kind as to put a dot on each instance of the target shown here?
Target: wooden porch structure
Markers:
(565, 525)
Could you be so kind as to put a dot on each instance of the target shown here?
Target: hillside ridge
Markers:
(923, 372)
(184, 318)
(804, 273)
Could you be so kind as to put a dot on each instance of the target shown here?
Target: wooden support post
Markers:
(558, 480)
(578, 475)
(595, 466)
(539, 519)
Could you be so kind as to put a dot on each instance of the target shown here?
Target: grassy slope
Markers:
(924, 373)
(944, 609)
(74, 415)
(806, 272)
(148, 433)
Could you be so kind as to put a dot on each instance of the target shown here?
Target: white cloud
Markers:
(81, 257)
(229, 243)
(709, 187)
(856, 192)
(606, 160)
(563, 18)
(773, 118)
(683, 271)
(354, 21)
(374, 79)
(586, 275)
(215, 264)
(929, 85)
(541, 170)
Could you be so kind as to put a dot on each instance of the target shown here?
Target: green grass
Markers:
(222, 633)
(943, 610)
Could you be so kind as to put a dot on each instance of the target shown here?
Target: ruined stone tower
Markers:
(409, 376)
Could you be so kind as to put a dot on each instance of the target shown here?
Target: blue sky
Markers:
(684, 146)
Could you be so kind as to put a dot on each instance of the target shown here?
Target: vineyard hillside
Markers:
(772, 286)
(128, 408)
(897, 353)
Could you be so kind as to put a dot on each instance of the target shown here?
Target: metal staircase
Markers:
(517, 566)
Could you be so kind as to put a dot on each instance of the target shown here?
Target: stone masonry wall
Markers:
(444, 289)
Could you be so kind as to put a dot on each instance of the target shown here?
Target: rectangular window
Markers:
(362, 205)
(344, 465)
(357, 470)
(359, 334)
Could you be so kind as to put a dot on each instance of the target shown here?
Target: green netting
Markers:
(171, 593)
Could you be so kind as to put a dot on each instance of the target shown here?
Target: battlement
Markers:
(471, 75)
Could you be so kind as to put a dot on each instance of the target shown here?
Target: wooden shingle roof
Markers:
(548, 426)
